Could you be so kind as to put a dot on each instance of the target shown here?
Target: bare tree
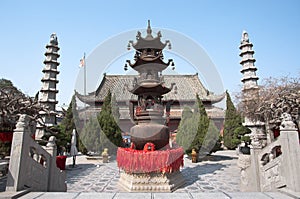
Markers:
(274, 97)
(13, 103)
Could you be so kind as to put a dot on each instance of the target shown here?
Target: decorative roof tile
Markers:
(185, 89)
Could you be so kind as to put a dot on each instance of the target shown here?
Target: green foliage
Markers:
(63, 131)
(202, 128)
(66, 126)
(187, 129)
(115, 109)
(109, 126)
(195, 131)
(4, 149)
(233, 128)
(90, 135)
(212, 141)
(103, 131)
(246, 139)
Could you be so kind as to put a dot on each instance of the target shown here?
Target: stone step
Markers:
(206, 195)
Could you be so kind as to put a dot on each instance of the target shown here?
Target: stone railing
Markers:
(274, 166)
(32, 166)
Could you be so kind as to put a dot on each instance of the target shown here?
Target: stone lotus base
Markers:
(151, 182)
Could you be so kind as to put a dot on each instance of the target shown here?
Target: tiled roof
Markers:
(185, 89)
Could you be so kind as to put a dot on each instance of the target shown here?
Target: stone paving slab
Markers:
(249, 195)
(210, 195)
(50, 195)
(171, 195)
(277, 195)
(13, 194)
(133, 195)
(32, 195)
(91, 195)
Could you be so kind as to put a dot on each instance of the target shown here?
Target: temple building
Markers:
(183, 94)
(183, 88)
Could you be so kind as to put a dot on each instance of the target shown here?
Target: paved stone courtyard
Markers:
(220, 173)
(217, 177)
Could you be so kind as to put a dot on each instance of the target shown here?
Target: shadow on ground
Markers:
(217, 158)
(193, 174)
(77, 172)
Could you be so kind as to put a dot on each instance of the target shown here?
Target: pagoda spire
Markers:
(49, 87)
(248, 70)
(149, 30)
(251, 91)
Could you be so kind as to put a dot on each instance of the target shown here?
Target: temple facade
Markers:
(185, 88)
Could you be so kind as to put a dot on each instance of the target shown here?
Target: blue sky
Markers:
(26, 26)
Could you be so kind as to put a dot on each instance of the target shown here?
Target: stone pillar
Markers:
(250, 170)
(290, 144)
(51, 148)
(18, 156)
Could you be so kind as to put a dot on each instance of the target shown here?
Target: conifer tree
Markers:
(187, 129)
(212, 142)
(67, 125)
(193, 127)
(233, 128)
(115, 109)
(91, 135)
(109, 126)
(202, 128)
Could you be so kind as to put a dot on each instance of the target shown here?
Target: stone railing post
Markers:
(17, 164)
(51, 148)
(249, 164)
(290, 145)
(250, 170)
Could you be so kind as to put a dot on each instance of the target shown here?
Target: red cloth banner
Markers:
(61, 162)
(6, 136)
(140, 161)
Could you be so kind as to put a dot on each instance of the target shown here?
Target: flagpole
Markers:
(84, 77)
(84, 86)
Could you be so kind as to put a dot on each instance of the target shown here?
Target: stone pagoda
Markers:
(49, 87)
(250, 88)
(248, 70)
(151, 163)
